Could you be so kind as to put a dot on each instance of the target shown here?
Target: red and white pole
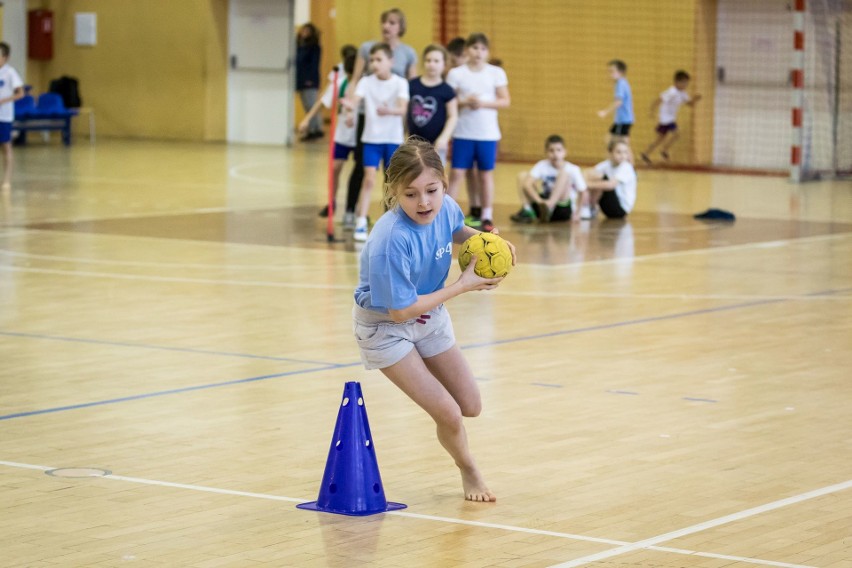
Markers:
(330, 221)
(798, 79)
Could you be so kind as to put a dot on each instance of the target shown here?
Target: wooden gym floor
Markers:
(660, 392)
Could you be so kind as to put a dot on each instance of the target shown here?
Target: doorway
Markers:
(260, 83)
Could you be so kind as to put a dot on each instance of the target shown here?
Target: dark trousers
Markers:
(356, 178)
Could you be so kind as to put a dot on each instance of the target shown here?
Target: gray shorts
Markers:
(383, 342)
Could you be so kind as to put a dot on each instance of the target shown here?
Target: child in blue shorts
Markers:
(622, 103)
(11, 89)
(482, 89)
(385, 97)
(400, 322)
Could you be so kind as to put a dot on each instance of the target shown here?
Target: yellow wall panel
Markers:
(157, 71)
(555, 56)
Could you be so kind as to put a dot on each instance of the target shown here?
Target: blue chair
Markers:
(24, 107)
(50, 105)
(49, 113)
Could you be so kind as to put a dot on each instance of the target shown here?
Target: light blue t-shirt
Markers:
(402, 260)
(624, 113)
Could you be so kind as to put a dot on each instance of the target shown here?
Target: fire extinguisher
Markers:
(40, 40)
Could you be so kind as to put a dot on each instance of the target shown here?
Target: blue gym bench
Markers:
(49, 114)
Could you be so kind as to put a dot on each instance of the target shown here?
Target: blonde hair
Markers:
(400, 16)
(407, 163)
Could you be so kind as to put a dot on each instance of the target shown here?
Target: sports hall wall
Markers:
(159, 69)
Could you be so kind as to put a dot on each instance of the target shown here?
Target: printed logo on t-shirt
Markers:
(444, 250)
(423, 109)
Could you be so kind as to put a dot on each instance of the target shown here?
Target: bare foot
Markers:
(474, 487)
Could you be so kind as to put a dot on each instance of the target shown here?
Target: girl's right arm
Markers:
(467, 282)
(443, 141)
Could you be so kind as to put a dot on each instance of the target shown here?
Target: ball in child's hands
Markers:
(493, 257)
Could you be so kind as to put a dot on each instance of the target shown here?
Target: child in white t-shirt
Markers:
(11, 89)
(482, 89)
(612, 184)
(669, 102)
(549, 190)
(344, 135)
(385, 97)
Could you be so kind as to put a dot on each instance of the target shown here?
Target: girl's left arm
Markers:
(443, 140)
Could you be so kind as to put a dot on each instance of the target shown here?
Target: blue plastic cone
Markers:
(351, 484)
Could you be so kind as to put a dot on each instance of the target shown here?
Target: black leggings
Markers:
(356, 178)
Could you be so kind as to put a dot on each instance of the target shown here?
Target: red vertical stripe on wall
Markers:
(798, 77)
(796, 155)
(797, 117)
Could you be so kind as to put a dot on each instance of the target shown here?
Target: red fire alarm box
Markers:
(40, 41)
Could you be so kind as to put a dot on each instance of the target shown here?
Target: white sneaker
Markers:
(586, 213)
(348, 220)
(360, 234)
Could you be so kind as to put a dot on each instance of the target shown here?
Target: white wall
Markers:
(15, 33)
(302, 12)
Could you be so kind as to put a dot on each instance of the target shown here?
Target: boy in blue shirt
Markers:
(622, 103)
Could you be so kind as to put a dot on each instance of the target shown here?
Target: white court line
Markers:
(120, 181)
(179, 265)
(171, 182)
(673, 254)
(236, 173)
(140, 215)
(419, 516)
(649, 542)
(349, 287)
(254, 283)
(673, 296)
(727, 557)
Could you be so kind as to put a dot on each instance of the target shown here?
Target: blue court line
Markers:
(326, 366)
(163, 348)
(168, 392)
(621, 324)
(649, 319)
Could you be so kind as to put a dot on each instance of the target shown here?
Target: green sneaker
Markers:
(474, 222)
(523, 216)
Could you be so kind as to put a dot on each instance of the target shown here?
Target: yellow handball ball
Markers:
(493, 257)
